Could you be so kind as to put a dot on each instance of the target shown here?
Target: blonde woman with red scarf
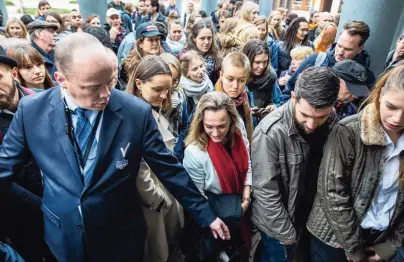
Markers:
(233, 79)
(218, 161)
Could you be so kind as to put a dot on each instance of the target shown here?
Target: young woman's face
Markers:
(155, 90)
(255, 13)
(315, 18)
(196, 70)
(302, 31)
(175, 77)
(216, 124)
(33, 74)
(203, 41)
(44, 9)
(276, 20)
(259, 64)
(392, 111)
(95, 22)
(233, 79)
(150, 45)
(15, 30)
(176, 32)
(263, 31)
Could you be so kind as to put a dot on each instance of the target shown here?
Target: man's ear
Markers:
(14, 73)
(293, 96)
(221, 74)
(60, 79)
(361, 48)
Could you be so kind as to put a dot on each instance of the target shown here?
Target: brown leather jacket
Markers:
(348, 178)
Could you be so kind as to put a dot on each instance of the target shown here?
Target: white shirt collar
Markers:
(69, 100)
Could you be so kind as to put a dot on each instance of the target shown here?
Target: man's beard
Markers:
(301, 128)
(7, 100)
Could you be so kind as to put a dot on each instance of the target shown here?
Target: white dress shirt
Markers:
(382, 208)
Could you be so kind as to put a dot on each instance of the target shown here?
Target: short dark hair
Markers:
(319, 86)
(43, 3)
(155, 3)
(203, 14)
(358, 28)
(232, 2)
(100, 34)
(26, 19)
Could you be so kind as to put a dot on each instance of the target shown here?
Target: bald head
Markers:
(324, 18)
(74, 49)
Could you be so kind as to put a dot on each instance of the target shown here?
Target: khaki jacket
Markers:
(349, 174)
(163, 214)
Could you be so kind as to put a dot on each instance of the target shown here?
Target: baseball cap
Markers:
(355, 75)
(38, 24)
(5, 59)
(112, 11)
(147, 29)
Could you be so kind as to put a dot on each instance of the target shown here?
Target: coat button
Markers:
(79, 226)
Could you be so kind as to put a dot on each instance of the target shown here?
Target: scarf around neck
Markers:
(194, 89)
(262, 87)
(176, 46)
(231, 167)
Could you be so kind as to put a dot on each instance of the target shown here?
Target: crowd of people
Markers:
(166, 136)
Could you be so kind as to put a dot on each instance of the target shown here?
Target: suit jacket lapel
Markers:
(58, 120)
(109, 126)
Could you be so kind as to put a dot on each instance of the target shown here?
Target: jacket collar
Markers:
(371, 130)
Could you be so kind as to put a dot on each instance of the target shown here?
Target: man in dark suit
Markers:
(88, 140)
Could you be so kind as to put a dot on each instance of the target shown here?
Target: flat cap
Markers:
(37, 24)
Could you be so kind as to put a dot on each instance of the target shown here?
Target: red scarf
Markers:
(231, 170)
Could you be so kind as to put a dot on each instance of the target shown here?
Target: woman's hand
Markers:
(283, 80)
(245, 205)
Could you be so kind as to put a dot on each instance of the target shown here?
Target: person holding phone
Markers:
(264, 95)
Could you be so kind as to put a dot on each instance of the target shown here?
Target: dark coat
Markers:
(102, 220)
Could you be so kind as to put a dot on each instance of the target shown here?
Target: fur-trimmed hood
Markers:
(372, 132)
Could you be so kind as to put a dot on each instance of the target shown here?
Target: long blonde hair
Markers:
(391, 79)
(21, 24)
(245, 14)
(211, 101)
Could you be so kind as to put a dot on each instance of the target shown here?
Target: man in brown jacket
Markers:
(286, 154)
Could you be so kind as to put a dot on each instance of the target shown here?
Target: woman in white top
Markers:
(217, 159)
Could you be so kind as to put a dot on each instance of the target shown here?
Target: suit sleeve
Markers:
(172, 174)
(14, 149)
(266, 191)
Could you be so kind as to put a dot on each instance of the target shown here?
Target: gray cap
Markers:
(37, 24)
(355, 75)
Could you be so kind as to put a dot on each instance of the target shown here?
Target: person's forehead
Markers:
(348, 40)
(304, 107)
(234, 71)
(114, 17)
(4, 69)
(205, 32)
(75, 13)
